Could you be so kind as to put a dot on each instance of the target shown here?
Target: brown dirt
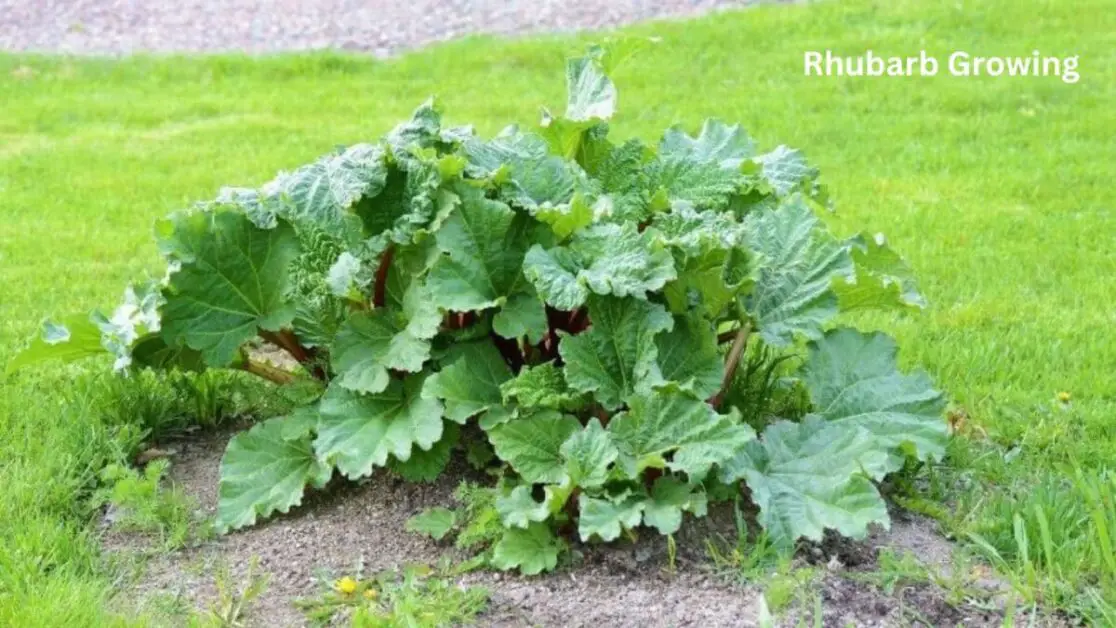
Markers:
(620, 585)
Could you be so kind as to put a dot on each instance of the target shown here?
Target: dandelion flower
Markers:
(346, 585)
(1064, 397)
(371, 594)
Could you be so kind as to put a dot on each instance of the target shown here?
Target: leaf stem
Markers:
(286, 340)
(731, 362)
(379, 290)
(510, 350)
(726, 336)
(270, 373)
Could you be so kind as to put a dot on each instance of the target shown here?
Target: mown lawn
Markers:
(999, 192)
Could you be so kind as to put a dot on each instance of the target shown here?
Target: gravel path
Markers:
(380, 26)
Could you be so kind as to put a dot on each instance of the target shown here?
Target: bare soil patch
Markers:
(619, 585)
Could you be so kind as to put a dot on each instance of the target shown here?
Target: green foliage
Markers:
(586, 304)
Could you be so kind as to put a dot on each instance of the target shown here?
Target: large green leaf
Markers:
(616, 357)
(471, 384)
(533, 550)
(670, 497)
(370, 344)
(265, 470)
(806, 477)
(688, 355)
(359, 432)
(523, 316)
(883, 280)
(796, 267)
(854, 380)
(667, 423)
(152, 351)
(518, 508)
(484, 242)
(591, 95)
(606, 259)
(76, 337)
(428, 465)
(533, 445)
(606, 518)
(231, 283)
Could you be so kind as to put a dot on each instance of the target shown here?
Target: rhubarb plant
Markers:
(578, 304)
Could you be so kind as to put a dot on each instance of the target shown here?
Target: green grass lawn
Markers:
(998, 191)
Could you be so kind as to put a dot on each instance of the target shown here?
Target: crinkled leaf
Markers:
(73, 339)
(231, 283)
(528, 174)
(590, 93)
(264, 470)
(853, 379)
(533, 550)
(484, 242)
(568, 218)
(603, 259)
(688, 355)
(422, 130)
(607, 518)
(704, 171)
(882, 281)
(669, 423)
(796, 267)
(323, 193)
(717, 143)
(785, 169)
(471, 384)
(624, 193)
(695, 232)
(588, 454)
(413, 202)
(359, 432)
(518, 508)
(533, 445)
(806, 477)
(542, 387)
(433, 522)
(616, 357)
(347, 276)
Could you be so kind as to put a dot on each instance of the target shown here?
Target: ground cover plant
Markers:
(964, 176)
(581, 306)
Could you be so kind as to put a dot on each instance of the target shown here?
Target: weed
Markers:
(414, 596)
(233, 601)
(143, 502)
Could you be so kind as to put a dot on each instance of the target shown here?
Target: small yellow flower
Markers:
(346, 585)
(1064, 397)
(371, 594)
